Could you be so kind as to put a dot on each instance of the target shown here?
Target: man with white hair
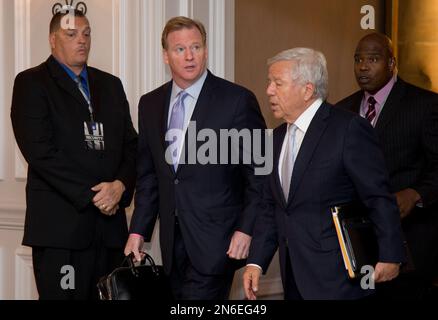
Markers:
(323, 157)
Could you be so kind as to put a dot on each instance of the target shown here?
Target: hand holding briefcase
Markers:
(131, 282)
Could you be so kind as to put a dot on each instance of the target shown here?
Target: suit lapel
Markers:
(391, 106)
(203, 105)
(356, 102)
(164, 115)
(64, 81)
(310, 142)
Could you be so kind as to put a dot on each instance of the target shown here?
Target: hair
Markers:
(179, 23)
(311, 67)
(55, 23)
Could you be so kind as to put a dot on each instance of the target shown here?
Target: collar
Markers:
(304, 120)
(383, 93)
(194, 90)
(71, 74)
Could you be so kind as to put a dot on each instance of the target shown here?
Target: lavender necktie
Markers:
(177, 123)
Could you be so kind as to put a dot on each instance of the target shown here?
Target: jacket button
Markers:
(176, 181)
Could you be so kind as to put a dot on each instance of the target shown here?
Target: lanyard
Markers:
(81, 89)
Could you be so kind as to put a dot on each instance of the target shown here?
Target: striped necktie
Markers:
(371, 112)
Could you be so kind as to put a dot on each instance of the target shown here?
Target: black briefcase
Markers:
(131, 282)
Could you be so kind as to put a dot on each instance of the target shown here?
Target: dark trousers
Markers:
(417, 282)
(291, 291)
(189, 284)
(63, 274)
(407, 286)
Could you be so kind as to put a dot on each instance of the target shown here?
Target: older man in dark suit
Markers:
(207, 209)
(73, 126)
(405, 119)
(323, 157)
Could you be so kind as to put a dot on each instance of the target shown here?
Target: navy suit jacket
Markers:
(339, 161)
(211, 201)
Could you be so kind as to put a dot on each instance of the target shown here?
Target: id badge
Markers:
(94, 136)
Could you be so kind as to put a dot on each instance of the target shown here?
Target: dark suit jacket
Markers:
(212, 201)
(408, 132)
(48, 114)
(339, 161)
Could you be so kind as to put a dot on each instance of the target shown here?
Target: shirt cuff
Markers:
(136, 235)
(254, 265)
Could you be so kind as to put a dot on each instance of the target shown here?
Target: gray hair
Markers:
(311, 67)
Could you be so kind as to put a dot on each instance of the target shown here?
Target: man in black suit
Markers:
(323, 157)
(405, 119)
(206, 209)
(73, 126)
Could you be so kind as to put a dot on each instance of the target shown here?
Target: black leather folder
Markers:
(357, 237)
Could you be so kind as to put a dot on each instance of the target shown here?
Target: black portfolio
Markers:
(357, 237)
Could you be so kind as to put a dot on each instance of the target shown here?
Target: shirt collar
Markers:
(72, 75)
(304, 120)
(194, 90)
(383, 93)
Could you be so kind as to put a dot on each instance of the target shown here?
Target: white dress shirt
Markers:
(302, 123)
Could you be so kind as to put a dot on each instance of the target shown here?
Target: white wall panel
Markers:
(25, 288)
(151, 27)
(186, 8)
(3, 274)
(10, 239)
(22, 62)
(12, 216)
(216, 42)
(3, 103)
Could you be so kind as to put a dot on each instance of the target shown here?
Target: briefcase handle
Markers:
(129, 260)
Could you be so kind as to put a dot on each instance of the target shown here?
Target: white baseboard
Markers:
(12, 216)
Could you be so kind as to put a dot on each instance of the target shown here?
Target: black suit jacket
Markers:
(213, 200)
(408, 132)
(48, 114)
(339, 161)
